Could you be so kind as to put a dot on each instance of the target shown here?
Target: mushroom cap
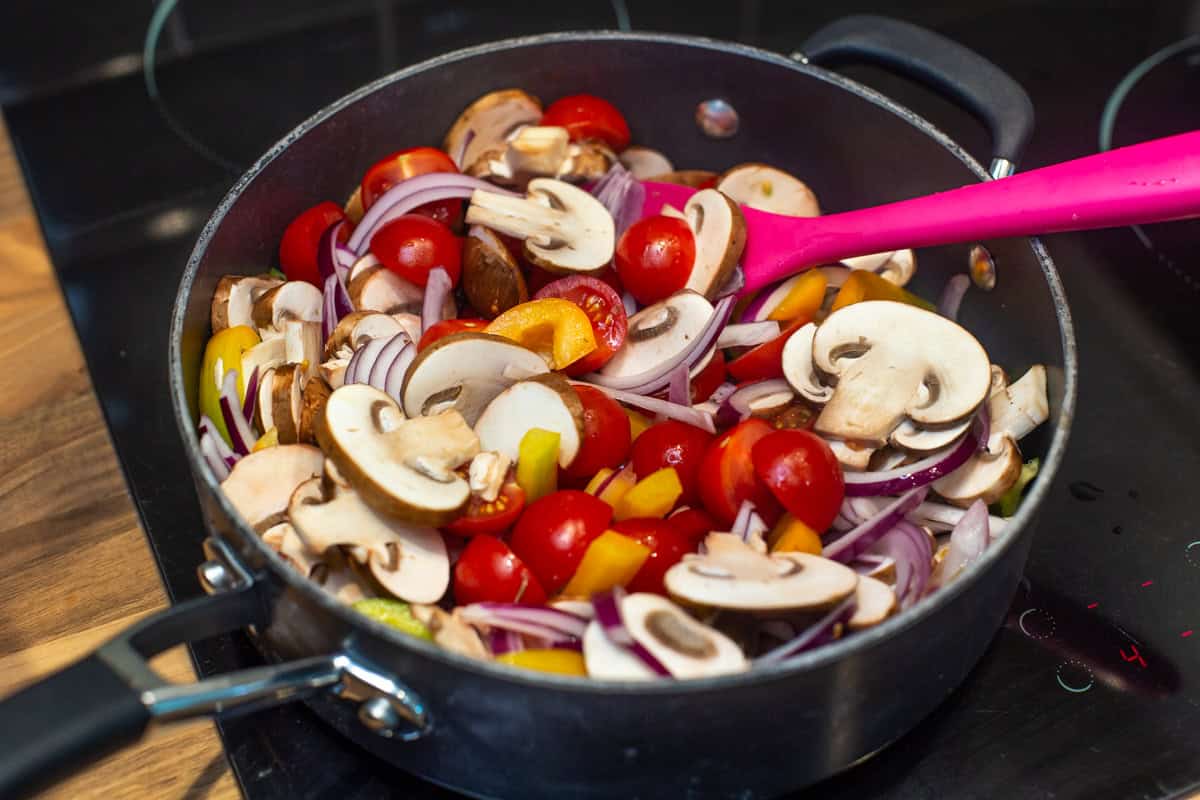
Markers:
(608, 661)
(491, 277)
(465, 371)
(892, 362)
(658, 332)
(489, 121)
(379, 289)
(917, 439)
(361, 265)
(234, 298)
(283, 539)
(983, 477)
(686, 647)
(900, 268)
(267, 354)
(736, 576)
(694, 178)
(875, 602)
(644, 163)
(292, 300)
(720, 233)
(302, 345)
(798, 366)
(769, 189)
(358, 327)
(547, 402)
(851, 455)
(1017, 409)
(260, 484)
(312, 405)
(586, 161)
(287, 402)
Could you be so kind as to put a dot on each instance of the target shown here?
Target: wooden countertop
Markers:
(76, 565)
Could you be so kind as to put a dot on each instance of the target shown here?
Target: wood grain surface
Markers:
(75, 563)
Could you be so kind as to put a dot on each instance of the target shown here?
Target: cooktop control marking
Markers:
(1147, 583)
(1071, 674)
(1134, 656)
(1186, 634)
(1192, 553)
(1040, 625)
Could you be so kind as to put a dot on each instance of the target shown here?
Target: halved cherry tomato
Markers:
(693, 523)
(803, 474)
(605, 440)
(603, 308)
(586, 116)
(298, 247)
(673, 444)
(405, 164)
(712, 376)
(727, 474)
(482, 517)
(654, 257)
(440, 330)
(766, 360)
(488, 571)
(667, 547)
(412, 245)
(554, 533)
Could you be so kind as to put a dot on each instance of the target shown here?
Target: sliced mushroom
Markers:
(267, 354)
(450, 632)
(608, 661)
(917, 439)
(798, 366)
(659, 332)
(897, 266)
(234, 298)
(487, 473)
(264, 417)
(343, 578)
(287, 401)
(983, 477)
(537, 150)
(284, 540)
(302, 344)
(686, 647)
(547, 402)
(733, 575)
(361, 265)
(488, 122)
(769, 189)
(465, 371)
(565, 229)
(720, 231)
(875, 602)
(851, 455)
(491, 277)
(380, 289)
(260, 484)
(1018, 409)
(409, 561)
(411, 323)
(298, 300)
(357, 328)
(402, 468)
(586, 161)
(312, 405)
(645, 163)
(694, 178)
(894, 361)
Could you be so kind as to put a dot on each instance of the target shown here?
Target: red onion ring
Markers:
(846, 548)
(462, 149)
(542, 621)
(215, 462)
(608, 614)
(909, 547)
(241, 435)
(819, 633)
(250, 402)
(622, 195)
(968, 540)
(502, 641)
(747, 334)
(921, 473)
(223, 450)
(689, 414)
(363, 361)
(952, 296)
(437, 289)
(679, 390)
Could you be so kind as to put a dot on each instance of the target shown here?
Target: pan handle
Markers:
(941, 64)
(107, 700)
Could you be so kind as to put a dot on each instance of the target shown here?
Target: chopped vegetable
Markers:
(556, 329)
(222, 354)
(558, 662)
(652, 496)
(396, 613)
(1007, 505)
(793, 536)
(865, 285)
(537, 463)
(612, 559)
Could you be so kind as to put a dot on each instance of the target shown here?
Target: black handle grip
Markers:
(65, 722)
(941, 64)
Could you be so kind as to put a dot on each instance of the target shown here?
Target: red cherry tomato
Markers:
(603, 307)
(727, 474)
(298, 247)
(803, 474)
(412, 245)
(693, 523)
(667, 547)
(405, 164)
(440, 330)
(654, 257)
(605, 440)
(586, 116)
(555, 531)
(488, 571)
(766, 360)
(712, 376)
(482, 517)
(673, 444)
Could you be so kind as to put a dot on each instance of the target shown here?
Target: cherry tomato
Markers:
(654, 257)
(405, 164)
(727, 474)
(766, 360)
(667, 547)
(440, 330)
(412, 245)
(712, 376)
(298, 247)
(603, 307)
(693, 523)
(482, 517)
(586, 116)
(488, 571)
(673, 444)
(803, 474)
(605, 440)
(555, 531)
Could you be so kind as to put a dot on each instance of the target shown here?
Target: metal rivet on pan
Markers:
(214, 577)
(717, 118)
(982, 268)
(379, 716)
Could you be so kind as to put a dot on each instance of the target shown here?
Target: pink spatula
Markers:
(1156, 181)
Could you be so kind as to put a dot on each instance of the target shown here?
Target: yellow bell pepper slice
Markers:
(396, 613)
(560, 662)
(537, 463)
(223, 353)
(612, 559)
(615, 489)
(637, 423)
(863, 285)
(652, 496)
(804, 299)
(793, 536)
(268, 439)
(556, 329)
(598, 480)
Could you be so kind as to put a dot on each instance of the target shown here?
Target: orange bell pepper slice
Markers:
(611, 560)
(793, 536)
(804, 299)
(652, 496)
(638, 422)
(556, 329)
(863, 285)
(559, 662)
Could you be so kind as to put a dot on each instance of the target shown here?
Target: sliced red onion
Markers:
(543, 621)
(920, 473)
(383, 363)
(250, 402)
(722, 392)
(329, 315)
(743, 399)
(741, 522)
(214, 460)
(393, 381)
(437, 289)
(631, 306)
(952, 295)
(983, 426)
(780, 629)
(821, 632)
(868, 563)
(608, 614)
(749, 334)
(654, 379)
(680, 388)
(909, 547)
(462, 149)
(846, 548)
(689, 414)
(623, 196)
(363, 361)
(328, 265)
(735, 283)
(501, 641)
(223, 450)
(241, 435)
(574, 645)
(968, 540)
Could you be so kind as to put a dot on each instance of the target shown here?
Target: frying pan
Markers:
(493, 731)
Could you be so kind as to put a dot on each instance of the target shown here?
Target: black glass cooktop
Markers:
(1090, 690)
